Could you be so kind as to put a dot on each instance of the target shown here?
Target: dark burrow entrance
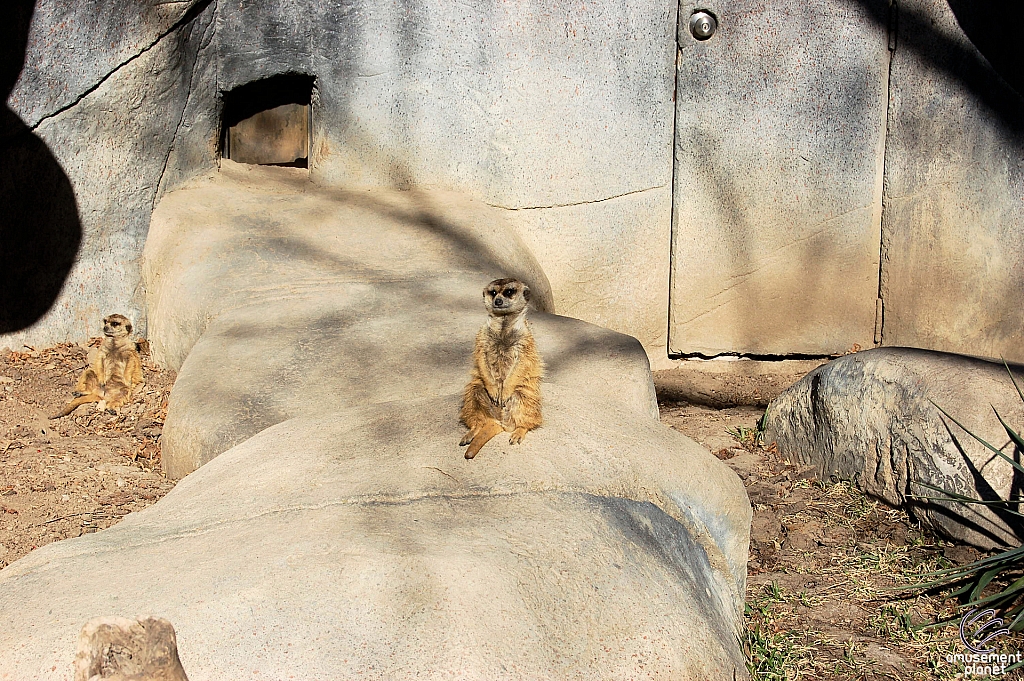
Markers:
(267, 122)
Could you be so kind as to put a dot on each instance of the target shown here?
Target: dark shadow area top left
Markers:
(40, 230)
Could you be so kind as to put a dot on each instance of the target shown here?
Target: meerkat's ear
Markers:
(526, 293)
(127, 326)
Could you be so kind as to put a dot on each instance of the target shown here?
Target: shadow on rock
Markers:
(40, 230)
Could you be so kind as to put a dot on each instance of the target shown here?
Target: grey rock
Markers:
(73, 47)
(194, 150)
(111, 143)
(871, 418)
(561, 116)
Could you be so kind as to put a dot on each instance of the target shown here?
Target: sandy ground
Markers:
(81, 473)
(823, 558)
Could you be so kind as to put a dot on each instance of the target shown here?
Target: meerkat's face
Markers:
(116, 325)
(506, 296)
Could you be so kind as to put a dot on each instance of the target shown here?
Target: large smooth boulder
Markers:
(335, 297)
(328, 333)
(362, 542)
(873, 418)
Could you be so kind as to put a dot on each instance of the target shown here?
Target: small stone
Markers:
(960, 555)
(119, 649)
(796, 507)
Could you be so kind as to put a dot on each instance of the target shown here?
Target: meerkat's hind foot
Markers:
(517, 436)
(482, 437)
(468, 437)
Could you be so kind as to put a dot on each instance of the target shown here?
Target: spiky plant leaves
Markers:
(969, 582)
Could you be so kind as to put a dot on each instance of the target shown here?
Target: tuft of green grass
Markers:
(773, 652)
(894, 623)
(772, 655)
(747, 437)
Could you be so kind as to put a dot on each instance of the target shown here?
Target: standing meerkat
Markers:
(115, 370)
(504, 390)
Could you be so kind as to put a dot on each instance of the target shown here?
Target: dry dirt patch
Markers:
(78, 474)
(823, 566)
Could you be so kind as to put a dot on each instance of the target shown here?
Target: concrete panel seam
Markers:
(579, 203)
(893, 30)
(185, 19)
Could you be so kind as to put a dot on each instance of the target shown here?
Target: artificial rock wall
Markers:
(780, 132)
(560, 115)
(97, 105)
(848, 172)
(952, 253)
(805, 163)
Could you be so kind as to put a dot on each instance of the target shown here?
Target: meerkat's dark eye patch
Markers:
(510, 292)
(114, 323)
(492, 293)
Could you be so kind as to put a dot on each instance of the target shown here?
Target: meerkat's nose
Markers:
(498, 302)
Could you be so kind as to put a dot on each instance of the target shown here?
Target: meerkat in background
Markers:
(504, 390)
(115, 370)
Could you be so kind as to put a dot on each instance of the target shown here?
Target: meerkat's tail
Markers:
(483, 435)
(76, 403)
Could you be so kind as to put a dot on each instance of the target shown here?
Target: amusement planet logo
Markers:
(982, 658)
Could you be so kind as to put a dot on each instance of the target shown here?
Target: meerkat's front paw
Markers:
(467, 438)
(517, 436)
